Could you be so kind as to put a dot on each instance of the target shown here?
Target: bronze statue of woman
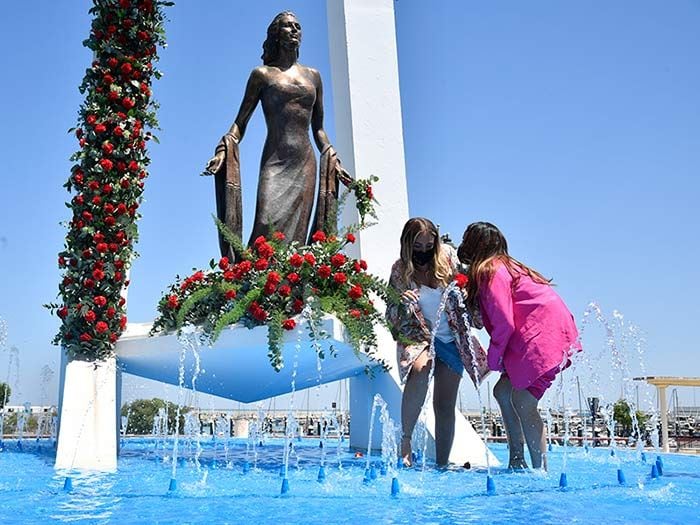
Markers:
(292, 100)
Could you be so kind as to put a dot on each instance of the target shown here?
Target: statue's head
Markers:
(283, 32)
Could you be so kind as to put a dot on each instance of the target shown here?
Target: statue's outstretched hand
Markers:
(214, 164)
(343, 175)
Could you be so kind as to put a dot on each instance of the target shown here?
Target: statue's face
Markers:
(289, 32)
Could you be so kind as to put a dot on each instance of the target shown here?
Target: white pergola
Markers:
(661, 383)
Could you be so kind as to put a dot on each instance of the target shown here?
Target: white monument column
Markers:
(369, 141)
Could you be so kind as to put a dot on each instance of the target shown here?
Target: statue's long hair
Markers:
(271, 46)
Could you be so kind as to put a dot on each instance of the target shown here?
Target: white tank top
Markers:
(429, 302)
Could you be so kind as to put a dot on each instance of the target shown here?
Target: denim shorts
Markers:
(448, 354)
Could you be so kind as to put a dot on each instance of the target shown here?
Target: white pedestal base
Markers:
(87, 437)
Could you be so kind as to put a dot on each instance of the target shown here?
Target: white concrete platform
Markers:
(236, 366)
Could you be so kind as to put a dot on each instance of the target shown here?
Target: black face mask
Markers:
(422, 258)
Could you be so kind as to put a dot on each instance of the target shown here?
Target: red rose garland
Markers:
(108, 173)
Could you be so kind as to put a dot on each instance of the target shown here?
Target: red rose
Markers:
(111, 29)
(289, 324)
(90, 316)
(293, 277)
(245, 267)
(265, 250)
(284, 290)
(198, 276)
(319, 236)
(223, 263)
(269, 288)
(118, 132)
(110, 221)
(309, 258)
(340, 278)
(125, 4)
(121, 166)
(274, 277)
(296, 260)
(230, 294)
(324, 271)
(370, 193)
(126, 69)
(78, 177)
(279, 236)
(350, 238)
(85, 338)
(172, 301)
(100, 128)
(79, 200)
(62, 312)
(119, 265)
(124, 183)
(117, 276)
(261, 264)
(107, 148)
(106, 189)
(143, 175)
(363, 264)
(98, 274)
(133, 166)
(112, 338)
(356, 266)
(100, 300)
(61, 261)
(113, 95)
(258, 241)
(338, 260)
(128, 103)
(142, 35)
(122, 301)
(87, 253)
(297, 305)
(108, 79)
(121, 208)
(355, 313)
(355, 291)
(112, 62)
(111, 311)
(461, 280)
(106, 164)
(101, 327)
(91, 119)
(101, 247)
(87, 216)
(96, 200)
(122, 322)
(94, 185)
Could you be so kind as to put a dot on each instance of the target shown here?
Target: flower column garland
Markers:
(108, 174)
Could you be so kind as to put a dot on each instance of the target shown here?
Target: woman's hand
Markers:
(215, 163)
(409, 297)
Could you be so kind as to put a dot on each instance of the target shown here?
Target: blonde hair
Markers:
(440, 264)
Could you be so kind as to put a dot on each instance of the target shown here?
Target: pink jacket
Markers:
(531, 329)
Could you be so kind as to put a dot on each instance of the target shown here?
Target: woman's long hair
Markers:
(482, 246)
(440, 263)
(271, 46)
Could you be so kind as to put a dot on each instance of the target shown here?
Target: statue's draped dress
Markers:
(288, 166)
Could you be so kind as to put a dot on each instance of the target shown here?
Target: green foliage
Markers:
(5, 393)
(142, 412)
(622, 414)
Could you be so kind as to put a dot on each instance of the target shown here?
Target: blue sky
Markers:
(575, 127)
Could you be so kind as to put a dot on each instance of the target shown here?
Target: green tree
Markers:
(141, 413)
(623, 417)
(5, 393)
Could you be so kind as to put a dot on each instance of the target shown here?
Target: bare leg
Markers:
(526, 406)
(412, 401)
(503, 392)
(444, 401)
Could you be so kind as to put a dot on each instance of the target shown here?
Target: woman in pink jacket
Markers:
(532, 333)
